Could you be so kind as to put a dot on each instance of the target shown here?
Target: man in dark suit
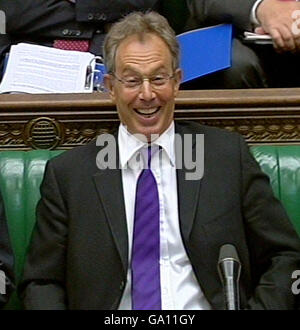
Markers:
(6, 259)
(84, 248)
(43, 21)
(253, 65)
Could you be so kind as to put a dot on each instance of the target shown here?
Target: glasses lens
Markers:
(157, 81)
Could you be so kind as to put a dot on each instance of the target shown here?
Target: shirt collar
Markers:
(129, 144)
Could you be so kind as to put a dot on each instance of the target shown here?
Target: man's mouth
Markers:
(147, 112)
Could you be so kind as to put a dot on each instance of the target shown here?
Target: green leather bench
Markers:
(21, 174)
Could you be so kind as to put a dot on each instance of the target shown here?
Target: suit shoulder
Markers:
(75, 156)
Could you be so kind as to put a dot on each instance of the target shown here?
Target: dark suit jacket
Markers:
(42, 21)
(211, 12)
(6, 257)
(79, 253)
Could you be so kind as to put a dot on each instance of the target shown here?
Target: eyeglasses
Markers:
(157, 81)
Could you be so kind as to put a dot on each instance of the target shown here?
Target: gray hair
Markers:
(138, 23)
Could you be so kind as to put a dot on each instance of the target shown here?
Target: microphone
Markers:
(229, 268)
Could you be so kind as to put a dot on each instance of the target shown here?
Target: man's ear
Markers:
(108, 83)
(177, 80)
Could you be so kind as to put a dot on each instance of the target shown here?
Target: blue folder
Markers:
(205, 50)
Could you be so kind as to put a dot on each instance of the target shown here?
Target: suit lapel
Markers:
(110, 191)
(188, 190)
(193, 197)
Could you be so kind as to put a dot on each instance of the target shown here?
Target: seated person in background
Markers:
(49, 22)
(6, 259)
(125, 236)
(253, 66)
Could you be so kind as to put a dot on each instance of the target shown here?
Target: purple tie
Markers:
(145, 250)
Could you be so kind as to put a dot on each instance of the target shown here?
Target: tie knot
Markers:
(147, 154)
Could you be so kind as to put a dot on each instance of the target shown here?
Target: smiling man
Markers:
(145, 95)
(132, 238)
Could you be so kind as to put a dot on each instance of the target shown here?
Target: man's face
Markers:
(146, 108)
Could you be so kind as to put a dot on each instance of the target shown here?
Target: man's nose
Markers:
(146, 91)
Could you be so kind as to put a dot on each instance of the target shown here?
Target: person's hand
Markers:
(276, 19)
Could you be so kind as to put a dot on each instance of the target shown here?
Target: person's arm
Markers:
(276, 19)
(210, 12)
(31, 16)
(42, 18)
(6, 259)
(109, 11)
(274, 246)
(43, 283)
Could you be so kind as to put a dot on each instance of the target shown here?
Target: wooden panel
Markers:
(263, 116)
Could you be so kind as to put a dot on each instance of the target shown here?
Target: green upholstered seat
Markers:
(282, 164)
(21, 174)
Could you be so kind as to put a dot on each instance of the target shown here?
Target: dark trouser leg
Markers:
(5, 44)
(283, 70)
(246, 72)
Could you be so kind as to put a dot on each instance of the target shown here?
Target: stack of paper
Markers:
(39, 69)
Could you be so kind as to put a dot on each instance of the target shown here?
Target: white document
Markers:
(257, 38)
(40, 70)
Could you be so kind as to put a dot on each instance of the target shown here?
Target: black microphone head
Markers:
(228, 251)
(229, 268)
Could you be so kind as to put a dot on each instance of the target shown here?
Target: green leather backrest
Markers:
(282, 164)
(21, 174)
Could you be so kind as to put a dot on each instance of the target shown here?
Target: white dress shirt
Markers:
(179, 287)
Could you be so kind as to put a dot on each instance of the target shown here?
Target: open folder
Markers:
(39, 69)
(205, 50)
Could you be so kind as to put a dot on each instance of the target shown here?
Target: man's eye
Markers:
(157, 80)
(132, 80)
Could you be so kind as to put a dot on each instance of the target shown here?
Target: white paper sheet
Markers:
(39, 70)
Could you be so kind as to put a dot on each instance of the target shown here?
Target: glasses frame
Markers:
(138, 87)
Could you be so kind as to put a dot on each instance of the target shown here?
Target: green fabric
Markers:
(21, 173)
(20, 177)
(282, 164)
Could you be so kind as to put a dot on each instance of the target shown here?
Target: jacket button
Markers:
(65, 32)
(90, 16)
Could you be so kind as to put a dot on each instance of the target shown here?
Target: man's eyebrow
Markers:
(130, 70)
(133, 71)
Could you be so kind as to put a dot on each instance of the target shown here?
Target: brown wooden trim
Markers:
(263, 116)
